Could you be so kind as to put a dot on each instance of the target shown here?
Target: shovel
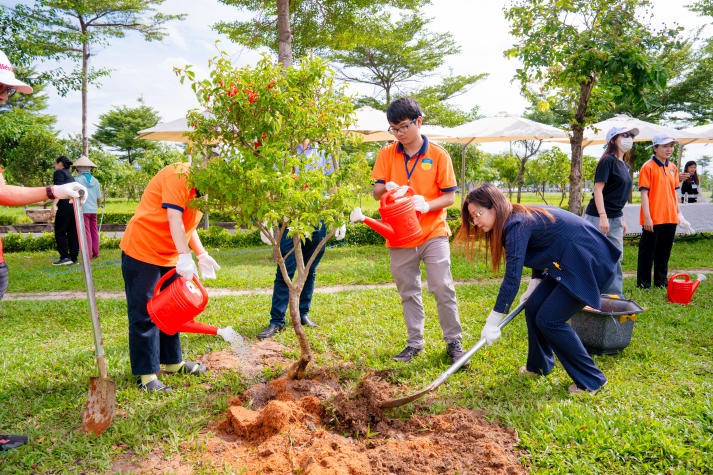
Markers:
(101, 403)
(453, 368)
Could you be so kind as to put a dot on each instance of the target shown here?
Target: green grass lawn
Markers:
(654, 416)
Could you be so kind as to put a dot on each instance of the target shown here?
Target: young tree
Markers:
(550, 167)
(72, 29)
(258, 117)
(585, 55)
(119, 127)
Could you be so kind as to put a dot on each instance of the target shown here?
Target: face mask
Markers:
(626, 144)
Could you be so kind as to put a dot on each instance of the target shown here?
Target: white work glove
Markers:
(491, 331)
(185, 266)
(420, 204)
(69, 190)
(356, 216)
(390, 185)
(685, 225)
(531, 286)
(207, 266)
(264, 237)
(341, 232)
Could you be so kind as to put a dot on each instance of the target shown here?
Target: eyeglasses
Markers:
(476, 215)
(401, 130)
(627, 135)
(5, 89)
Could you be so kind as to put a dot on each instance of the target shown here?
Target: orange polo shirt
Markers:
(661, 179)
(429, 172)
(147, 237)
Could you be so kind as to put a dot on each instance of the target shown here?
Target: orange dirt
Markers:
(318, 426)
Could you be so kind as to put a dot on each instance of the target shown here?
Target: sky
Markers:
(145, 69)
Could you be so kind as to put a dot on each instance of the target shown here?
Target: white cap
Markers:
(7, 76)
(614, 131)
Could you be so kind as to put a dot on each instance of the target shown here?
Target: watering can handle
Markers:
(161, 281)
(675, 276)
(386, 196)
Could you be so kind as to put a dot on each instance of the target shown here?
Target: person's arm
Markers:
(11, 195)
(601, 210)
(443, 201)
(646, 209)
(178, 231)
(378, 190)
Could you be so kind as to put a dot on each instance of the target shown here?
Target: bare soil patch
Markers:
(324, 425)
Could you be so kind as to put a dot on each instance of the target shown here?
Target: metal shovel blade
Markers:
(452, 369)
(101, 403)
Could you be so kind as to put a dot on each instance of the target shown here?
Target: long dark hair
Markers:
(490, 197)
(694, 174)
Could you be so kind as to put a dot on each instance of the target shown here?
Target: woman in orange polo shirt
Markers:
(159, 238)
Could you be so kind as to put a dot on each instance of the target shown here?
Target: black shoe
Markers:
(154, 386)
(64, 261)
(192, 368)
(306, 322)
(407, 354)
(11, 441)
(270, 331)
(455, 351)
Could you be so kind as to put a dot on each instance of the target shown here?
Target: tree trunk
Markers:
(575, 175)
(85, 82)
(284, 34)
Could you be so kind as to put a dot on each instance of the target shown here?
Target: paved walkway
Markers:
(226, 292)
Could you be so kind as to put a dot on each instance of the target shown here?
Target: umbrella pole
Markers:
(462, 175)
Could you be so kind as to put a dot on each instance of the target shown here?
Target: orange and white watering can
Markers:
(399, 219)
(681, 288)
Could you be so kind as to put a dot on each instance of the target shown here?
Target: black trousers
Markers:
(65, 231)
(655, 249)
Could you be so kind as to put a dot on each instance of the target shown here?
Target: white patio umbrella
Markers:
(373, 125)
(173, 131)
(501, 127)
(596, 133)
(703, 134)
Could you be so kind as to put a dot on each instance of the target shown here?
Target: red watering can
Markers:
(174, 308)
(681, 291)
(399, 219)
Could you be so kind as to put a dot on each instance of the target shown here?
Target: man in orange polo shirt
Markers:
(159, 238)
(660, 213)
(427, 168)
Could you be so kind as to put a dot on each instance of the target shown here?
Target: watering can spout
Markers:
(193, 326)
(384, 229)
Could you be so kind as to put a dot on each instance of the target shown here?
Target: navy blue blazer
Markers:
(570, 250)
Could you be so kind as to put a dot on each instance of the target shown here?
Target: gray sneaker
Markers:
(455, 351)
(407, 354)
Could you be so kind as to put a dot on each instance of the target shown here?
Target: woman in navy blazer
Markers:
(571, 262)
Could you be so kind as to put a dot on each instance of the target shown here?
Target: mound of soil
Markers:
(322, 426)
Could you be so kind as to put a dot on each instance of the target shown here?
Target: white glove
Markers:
(401, 191)
(390, 185)
(356, 216)
(207, 266)
(341, 232)
(491, 331)
(685, 225)
(420, 204)
(531, 286)
(185, 266)
(69, 190)
(264, 237)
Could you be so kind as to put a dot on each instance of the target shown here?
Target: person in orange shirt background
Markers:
(159, 238)
(660, 213)
(412, 160)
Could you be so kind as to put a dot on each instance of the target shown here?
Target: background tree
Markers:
(310, 26)
(254, 173)
(508, 167)
(73, 29)
(584, 56)
(550, 168)
(28, 148)
(118, 128)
